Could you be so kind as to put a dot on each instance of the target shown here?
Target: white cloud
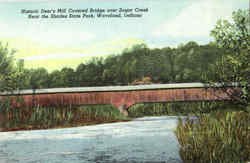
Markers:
(62, 37)
(59, 34)
(196, 20)
(3, 26)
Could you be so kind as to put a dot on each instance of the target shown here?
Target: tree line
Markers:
(186, 63)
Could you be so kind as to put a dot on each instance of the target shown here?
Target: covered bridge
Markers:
(121, 97)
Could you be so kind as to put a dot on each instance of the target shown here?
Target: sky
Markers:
(68, 41)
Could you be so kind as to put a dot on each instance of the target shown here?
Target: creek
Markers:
(144, 140)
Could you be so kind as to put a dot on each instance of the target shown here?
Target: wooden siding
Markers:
(118, 98)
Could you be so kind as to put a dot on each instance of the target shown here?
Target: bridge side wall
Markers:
(120, 98)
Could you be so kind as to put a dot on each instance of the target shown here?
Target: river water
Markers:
(143, 140)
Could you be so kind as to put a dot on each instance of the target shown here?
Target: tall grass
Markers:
(174, 108)
(217, 137)
(40, 117)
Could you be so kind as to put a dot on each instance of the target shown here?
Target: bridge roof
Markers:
(111, 88)
(107, 88)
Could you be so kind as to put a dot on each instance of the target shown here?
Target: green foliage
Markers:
(233, 35)
(56, 79)
(6, 60)
(174, 108)
(185, 63)
(167, 65)
(40, 117)
(234, 67)
(39, 78)
(12, 76)
(219, 137)
(223, 136)
(89, 74)
(226, 60)
(7, 71)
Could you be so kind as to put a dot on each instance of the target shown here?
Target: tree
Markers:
(93, 72)
(9, 73)
(235, 67)
(79, 75)
(110, 73)
(170, 63)
(56, 79)
(68, 77)
(39, 78)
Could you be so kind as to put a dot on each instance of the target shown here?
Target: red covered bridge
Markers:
(120, 96)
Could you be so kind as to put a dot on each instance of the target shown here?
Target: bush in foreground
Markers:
(218, 137)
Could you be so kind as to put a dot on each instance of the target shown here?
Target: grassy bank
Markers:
(222, 136)
(57, 117)
(174, 108)
(221, 133)
(69, 116)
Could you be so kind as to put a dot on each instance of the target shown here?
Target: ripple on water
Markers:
(149, 139)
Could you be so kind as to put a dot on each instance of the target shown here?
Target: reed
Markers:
(174, 108)
(217, 137)
(41, 117)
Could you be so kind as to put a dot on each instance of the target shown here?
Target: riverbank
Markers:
(215, 121)
(76, 124)
(14, 119)
(221, 135)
